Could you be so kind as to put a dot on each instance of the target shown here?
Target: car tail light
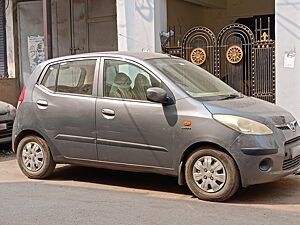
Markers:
(21, 98)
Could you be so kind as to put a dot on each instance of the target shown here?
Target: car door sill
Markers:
(119, 166)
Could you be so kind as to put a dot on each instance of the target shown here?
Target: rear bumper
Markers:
(263, 159)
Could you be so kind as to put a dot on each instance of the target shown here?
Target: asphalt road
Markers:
(79, 195)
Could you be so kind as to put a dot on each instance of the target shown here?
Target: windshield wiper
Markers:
(231, 96)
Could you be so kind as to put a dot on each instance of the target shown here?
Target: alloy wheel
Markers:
(209, 174)
(33, 156)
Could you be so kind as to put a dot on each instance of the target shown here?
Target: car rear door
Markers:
(64, 102)
(130, 129)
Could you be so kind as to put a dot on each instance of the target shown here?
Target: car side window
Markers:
(49, 80)
(126, 80)
(76, 77)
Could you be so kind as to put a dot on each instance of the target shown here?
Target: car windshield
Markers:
(195, 81)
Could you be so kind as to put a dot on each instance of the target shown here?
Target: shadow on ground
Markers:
(284, 191)
(6, 152)
(133, 180)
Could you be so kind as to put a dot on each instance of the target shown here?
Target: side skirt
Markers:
(118, 166)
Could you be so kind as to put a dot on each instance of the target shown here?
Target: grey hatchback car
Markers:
(150, 112)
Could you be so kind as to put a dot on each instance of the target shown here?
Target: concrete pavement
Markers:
(79, 195)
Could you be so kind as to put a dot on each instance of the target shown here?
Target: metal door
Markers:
(93, 26)
(264, 63)
(235, 57)
(198, 46)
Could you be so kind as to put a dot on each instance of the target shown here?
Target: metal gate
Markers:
(199, 46)
(242, 59)
(234, 57)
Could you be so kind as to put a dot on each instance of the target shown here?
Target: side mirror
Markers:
(159, 95)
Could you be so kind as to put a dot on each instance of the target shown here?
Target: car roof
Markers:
(120, 54)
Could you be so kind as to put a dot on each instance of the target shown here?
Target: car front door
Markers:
(130, 129)
(65, 100)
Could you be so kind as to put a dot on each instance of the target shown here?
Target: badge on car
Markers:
(3, 126)
(292, 126)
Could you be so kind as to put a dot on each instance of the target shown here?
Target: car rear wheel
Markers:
(34, 157)
(211, 175)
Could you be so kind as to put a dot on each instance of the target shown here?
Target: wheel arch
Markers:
(23, 134)
(192, 148)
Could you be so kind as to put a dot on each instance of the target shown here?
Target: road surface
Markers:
(79, 195)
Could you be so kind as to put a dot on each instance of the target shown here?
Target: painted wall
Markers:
(28, 26)
(139, 23)
(188, 15)
(288, 40)
(9, 90)
(183, 15)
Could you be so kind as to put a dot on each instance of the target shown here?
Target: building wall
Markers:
(9, 90)
(185, 15)
(139, 23)
(28, 26)
(288, 41)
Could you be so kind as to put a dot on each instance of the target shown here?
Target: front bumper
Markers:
(263, 159)
(6, 134)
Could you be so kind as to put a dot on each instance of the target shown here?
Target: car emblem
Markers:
(292, 126)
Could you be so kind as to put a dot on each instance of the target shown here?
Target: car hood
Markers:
(4, 108)
(251, 108)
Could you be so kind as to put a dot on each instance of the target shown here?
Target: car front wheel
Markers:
(211, 175)
(34, 157)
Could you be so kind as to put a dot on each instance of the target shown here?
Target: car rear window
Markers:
(75, 77)
(49, 79)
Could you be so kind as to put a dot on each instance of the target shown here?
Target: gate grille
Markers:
(241, 59)
(264, 74)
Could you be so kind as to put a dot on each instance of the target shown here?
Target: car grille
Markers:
(289, 164)
(285, 126)
(8, 131)
(293, 140)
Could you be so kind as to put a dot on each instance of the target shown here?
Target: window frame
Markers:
(101, 84)
(95, 81)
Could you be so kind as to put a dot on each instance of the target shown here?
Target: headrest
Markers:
(122, 79)
(141, 80)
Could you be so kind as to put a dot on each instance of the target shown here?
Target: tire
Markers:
(34, 152)
(216, 175)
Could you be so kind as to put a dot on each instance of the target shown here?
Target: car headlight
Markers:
(243, 125)
(12, 110)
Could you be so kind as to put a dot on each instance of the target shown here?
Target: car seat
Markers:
(141, 84)
(121, 87)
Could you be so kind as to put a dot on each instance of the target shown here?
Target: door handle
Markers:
(42, 103)
(108, 112)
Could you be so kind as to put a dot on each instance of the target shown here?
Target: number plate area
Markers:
(295, 151)
(3, 126)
